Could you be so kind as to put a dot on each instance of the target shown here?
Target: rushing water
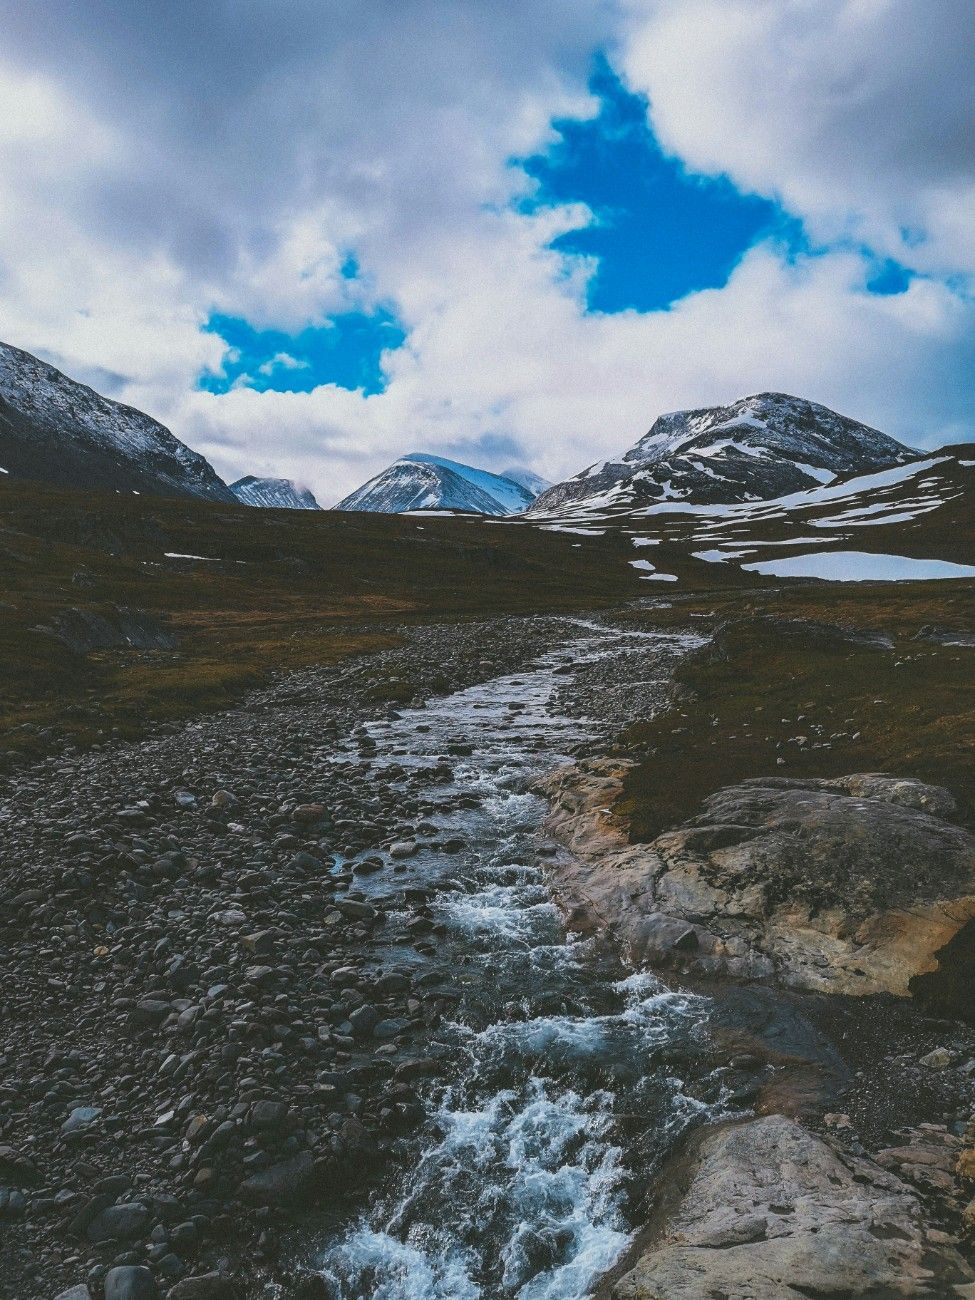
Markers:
(573, 1077)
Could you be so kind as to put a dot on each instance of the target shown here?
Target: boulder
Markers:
(768, 1211)
(854, 885)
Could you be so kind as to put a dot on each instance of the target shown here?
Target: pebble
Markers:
(939, 1059)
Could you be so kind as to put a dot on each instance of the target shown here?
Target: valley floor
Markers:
(234, 977)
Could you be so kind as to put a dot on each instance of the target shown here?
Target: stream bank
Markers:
(291, 1010)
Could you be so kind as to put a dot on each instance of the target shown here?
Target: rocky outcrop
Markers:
(767, 1210)
(83, 630)
(55, 430)
(851, 885)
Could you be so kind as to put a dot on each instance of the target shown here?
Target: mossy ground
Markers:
(779, 705)
(285, 590)
(290, 589)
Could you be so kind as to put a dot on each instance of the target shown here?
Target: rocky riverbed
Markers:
(288, 1010)
(213, 1012)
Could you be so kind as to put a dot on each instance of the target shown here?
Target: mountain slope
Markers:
(273, 493)
(424, 482)
(534, 483)
(757, 448)
(55, 430)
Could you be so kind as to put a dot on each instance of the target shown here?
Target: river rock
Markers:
(852, 885)
(768, 1211)
(283, 1183)
(205, 1286)
(80, 1117)
(130, 1282)
(119, 1223)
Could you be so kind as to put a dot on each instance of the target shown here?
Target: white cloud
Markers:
(859, 114)
(246, 159)
(281, 361)
(514, 355)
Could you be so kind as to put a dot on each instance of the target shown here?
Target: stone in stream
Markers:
(767, 1210)
(403, 849)
(204, 1286)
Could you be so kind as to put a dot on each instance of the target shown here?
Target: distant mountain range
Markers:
(273, 493)
(424, 482)
(758, 448)
(748, 482)
(55, 430)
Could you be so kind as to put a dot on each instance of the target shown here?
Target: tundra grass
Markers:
(278, 590)
(764, 702)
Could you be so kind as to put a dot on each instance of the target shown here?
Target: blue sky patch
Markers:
(661, 232)
(890, 277)
(346, 351)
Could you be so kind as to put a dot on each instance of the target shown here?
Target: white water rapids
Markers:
(522, 1184)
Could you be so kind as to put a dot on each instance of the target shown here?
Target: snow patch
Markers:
(719, 557)
(817, 472)
(859, 566)
(563, 528)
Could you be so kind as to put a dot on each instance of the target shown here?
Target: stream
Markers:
(573, 1075)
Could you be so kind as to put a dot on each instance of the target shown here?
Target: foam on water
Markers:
(519, 1189)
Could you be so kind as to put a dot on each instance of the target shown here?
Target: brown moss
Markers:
(823, 710)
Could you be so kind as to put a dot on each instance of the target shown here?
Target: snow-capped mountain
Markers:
(55, 430)
(914, 519)
(760, 447)
(424, 482)
(273, 493)
(535, 484)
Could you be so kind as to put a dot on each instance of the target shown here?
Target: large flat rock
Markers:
(764, 1210)
(850, 885)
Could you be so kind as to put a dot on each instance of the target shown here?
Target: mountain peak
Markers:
(56, 430)
(424, 481)
(273, 493)
(757, 447)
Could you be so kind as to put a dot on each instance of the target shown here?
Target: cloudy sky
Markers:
(313, 235)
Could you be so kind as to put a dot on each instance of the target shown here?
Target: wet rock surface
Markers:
(768, 1210)
(850, 885)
